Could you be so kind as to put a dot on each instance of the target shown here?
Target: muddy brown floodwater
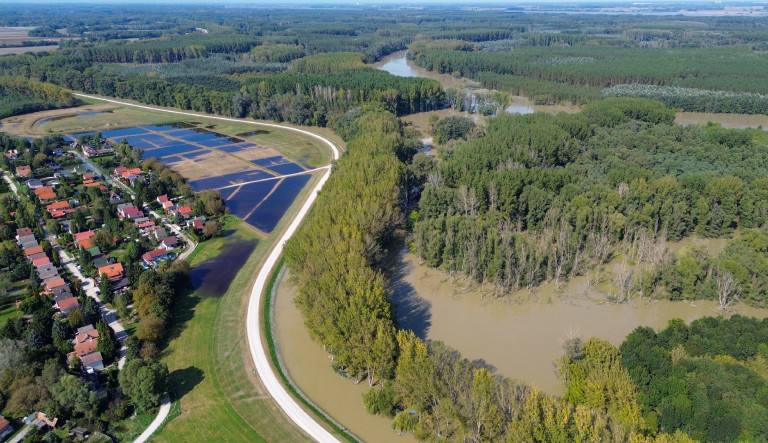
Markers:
(310, 369)
(521, 339)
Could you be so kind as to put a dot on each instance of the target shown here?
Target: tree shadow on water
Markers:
(182, 381)
(411, 310)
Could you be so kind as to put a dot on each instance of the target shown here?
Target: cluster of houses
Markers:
(128, 176)
(48, 273)
(84, 344)
(170, 208)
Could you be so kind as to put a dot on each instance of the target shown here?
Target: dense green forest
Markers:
(20, 96)
(542, 197)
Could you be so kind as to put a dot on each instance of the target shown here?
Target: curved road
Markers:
(253, 320)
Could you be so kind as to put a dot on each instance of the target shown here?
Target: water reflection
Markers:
(212, 277)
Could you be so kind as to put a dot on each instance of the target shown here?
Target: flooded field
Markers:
(310, 369)
(521, 335)
(211, 278)
(736, 121)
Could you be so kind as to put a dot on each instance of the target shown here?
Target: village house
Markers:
(68, 305)
(90, 152)
(54, 283)
(23, 171)
(113, 271)
(33, 250)
(61, 292)
(92, 362)
(34, 183)
(45, 193)
(127, 210)
(24, 239)
(37, 256)
(5, 428)
(81, 237)
(100, 262)
(162, 198)
(59, 209)
(169, 243)
(23, 232)
(197, 223)
(91, 335)
(47, 271)
(41, 261)
(155, 256)
(159, 234)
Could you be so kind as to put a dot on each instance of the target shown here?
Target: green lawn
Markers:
(8, 310)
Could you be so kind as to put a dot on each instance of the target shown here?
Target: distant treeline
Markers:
(564, 72)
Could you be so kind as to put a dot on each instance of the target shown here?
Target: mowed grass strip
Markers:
(220, 396)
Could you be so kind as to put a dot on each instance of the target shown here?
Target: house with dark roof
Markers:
(159, 234)
(84, 329)
(92, 362)
(103, 261)
(169, 243)
(23, 239)
(62, 294)
(34, 183)
(47, 271)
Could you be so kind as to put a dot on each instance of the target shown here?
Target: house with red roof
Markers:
(54, 283)
(41, 261)
(155, 256)
(83, 236)
(24, 171)
(33, 250)
(118, 172)
(45, 193)
(83, 349)
(162, 198)
(87, 336)
(68, 305)
(113, 272)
